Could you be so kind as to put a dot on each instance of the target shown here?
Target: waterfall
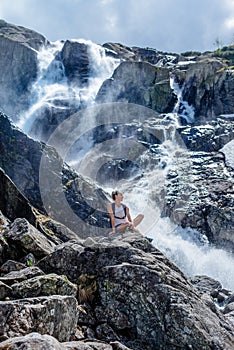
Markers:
(50, 83)
(187, 248)
(52, 90)
(182, 108)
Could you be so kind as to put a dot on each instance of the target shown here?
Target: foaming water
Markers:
(52, 90)
(182, 107)
(51, 83)
(187, 248)
(192, 254)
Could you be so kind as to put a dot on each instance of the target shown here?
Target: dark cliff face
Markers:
(18, 66)
(209, 87)
(139, 83)
(20, 158)
(206, 80)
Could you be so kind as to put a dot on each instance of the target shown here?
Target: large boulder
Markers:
(209, 88)
(53, 315)
(34, 341)
(75, 59)
(139, 83)
(139, 295)
(51, 284)
(25, 238)
(37, 341)
(18, 66)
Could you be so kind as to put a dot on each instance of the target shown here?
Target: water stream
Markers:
(185, 247)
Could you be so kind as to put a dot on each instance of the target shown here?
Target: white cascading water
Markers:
(182, 108)
(46, 87)
(185, 247)
(51, 84)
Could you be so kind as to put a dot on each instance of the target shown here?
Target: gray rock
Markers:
(87, 345)
(118, 346)
(205, 284)
(5, 290)
(59, 230)
(105, 332)
(11, 265)
(229, 308)
(21, 275)
(174, 322)
(208, 86)
(54, 315)
(51, 284)
(140, 293)
(154, 92)
(200, 196)
(25, 238)
(75, 59)
(209, 137)
(31, 341)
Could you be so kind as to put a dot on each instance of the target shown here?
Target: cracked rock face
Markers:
(140, 295)
(53, 315)
(140, 83)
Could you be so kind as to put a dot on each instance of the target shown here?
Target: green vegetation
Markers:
(226, 53)
(191, 53)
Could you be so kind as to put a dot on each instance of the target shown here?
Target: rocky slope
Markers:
(104, 293)
(20, 158)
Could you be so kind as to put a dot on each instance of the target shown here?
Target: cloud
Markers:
(167, 25)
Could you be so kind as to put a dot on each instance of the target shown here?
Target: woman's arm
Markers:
(128, 215)
(111, 214)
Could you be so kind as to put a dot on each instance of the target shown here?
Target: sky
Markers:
(166, 25)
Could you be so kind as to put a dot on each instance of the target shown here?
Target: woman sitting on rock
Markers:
(120, 216)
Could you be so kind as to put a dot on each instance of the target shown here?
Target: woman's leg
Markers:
(123, 226)
(138, 220)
